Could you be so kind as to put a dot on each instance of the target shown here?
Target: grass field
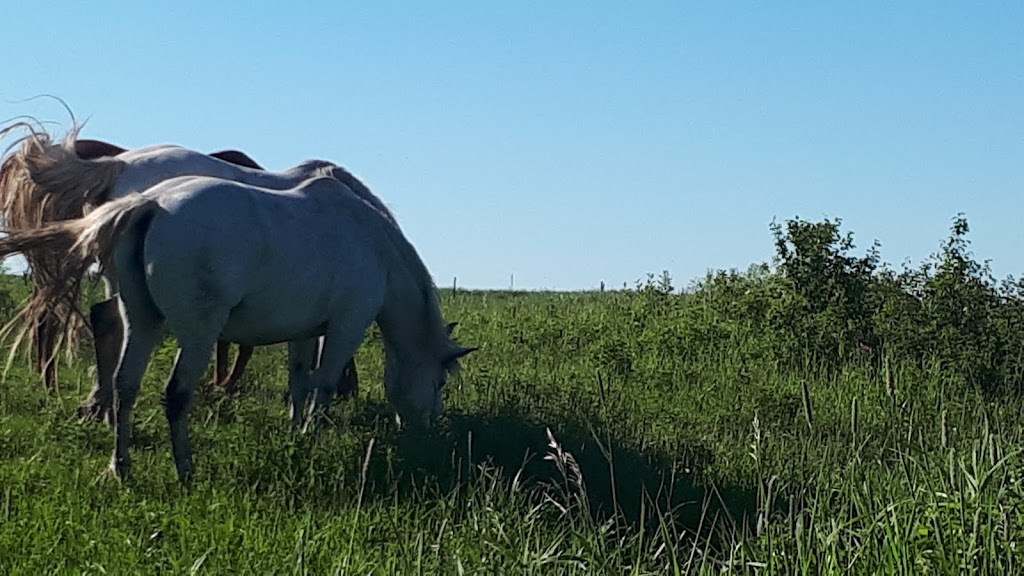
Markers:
(677, 449)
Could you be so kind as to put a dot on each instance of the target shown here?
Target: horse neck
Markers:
(401, 319)
(410, 320)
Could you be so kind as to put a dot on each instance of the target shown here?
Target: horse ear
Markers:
(458, 353)
(451, 327)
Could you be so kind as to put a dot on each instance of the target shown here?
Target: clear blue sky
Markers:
(573, 142)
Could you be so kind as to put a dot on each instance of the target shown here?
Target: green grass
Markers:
(672, 457)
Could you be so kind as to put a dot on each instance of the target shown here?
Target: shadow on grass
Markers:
(618, 479)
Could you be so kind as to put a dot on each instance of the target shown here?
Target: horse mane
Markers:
(362, 190)
(434, 326)
(318, 168)
(44, 181)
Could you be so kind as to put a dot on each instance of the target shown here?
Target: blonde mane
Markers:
(41, 182)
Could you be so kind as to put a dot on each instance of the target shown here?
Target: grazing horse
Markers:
(51, 179)
(220, 259)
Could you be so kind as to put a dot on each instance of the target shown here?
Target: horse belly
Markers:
(259, 321)
(303, 301)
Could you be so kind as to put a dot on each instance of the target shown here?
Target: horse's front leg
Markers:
(348, 384)
(107, 330)
(301, 360)
(339, 349)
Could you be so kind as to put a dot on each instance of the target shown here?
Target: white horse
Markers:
(60, 171)
(214, 258)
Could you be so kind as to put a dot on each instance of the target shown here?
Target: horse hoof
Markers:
(96, 412)
(120, 469)
(185, 474)
(316, 421)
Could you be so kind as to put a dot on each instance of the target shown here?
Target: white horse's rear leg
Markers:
(141, 338)
(142, 324)
(189, 367)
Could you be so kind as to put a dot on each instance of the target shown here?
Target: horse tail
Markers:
(92, 236)
(82, 240)
(58, 237)
(45, 180)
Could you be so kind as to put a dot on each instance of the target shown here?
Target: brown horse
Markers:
(104, 317)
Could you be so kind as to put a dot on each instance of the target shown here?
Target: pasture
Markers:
(820, 415)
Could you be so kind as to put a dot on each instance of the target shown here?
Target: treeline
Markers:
(819, 305)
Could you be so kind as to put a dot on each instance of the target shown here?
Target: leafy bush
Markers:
(817, 304)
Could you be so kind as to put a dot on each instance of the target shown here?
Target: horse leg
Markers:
(339, 347)
(241, 361)
(197, 329)
(348, 386)
(142, 335)
(141, 332)
(105, 319)
(220, 362)
(301, 360)
(46, 363)
(191, 362)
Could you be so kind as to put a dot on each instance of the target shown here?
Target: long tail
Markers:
(83, 241)
(58, 237)
(45, 180)
(90, 237)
